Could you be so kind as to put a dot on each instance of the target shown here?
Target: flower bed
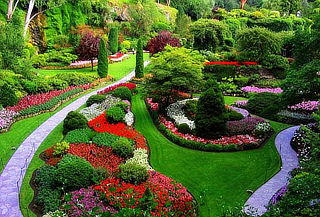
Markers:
(244, 126)
(292, 117)
(7, 118)
(232, 63)
(140, 156)
(253, 89)
(241, 103)
(306, 106)
(131, 86)
(97, 156)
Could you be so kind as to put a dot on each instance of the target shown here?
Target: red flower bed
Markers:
(168, 196)
(131, 86)
(116, 56)
(42, 98)
(225, 140)
(231, 63)
(101, 125)
(50, 158)
(97, 156)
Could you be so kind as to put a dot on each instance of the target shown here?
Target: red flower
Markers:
(131, 86)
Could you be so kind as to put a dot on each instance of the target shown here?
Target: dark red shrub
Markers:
(158, 43)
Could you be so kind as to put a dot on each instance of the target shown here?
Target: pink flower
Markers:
(253, 89)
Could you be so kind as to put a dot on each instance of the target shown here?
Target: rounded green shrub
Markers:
(74, 172)
(184, 128)
(133, 173)
(123, 92)
(104, 139)
(123, 148)
(115, 114)
(95, 99)
(232, 115)
(79, 136)
(7, 96)
(73, 121)
(100, 174)
(124, 106)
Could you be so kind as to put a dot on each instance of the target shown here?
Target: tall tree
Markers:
(103, 60)
(139, 60)
(113, 40)
(89, 47)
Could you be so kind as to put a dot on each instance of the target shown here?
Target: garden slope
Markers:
(215, 179)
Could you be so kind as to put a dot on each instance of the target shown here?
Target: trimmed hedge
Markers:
(79, 136)
(104, 139)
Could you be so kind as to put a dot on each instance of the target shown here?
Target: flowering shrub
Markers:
(57, 213)
(153, 105)
(168, 196)
(100, 124)
(7, 118)
(85, 202)
(50, 158)
(97, 156)
(244, 126)
(249, 89)
(294, 117)
(306, 106)
(131, 86)
(277, 197)
(225, 140)
(129, 119)
(176, 112)
(241, 103)
(262, 129)
(140, 157)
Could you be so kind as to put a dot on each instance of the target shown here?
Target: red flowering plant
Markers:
(49, 157)
(131, 86)
(232, 63)
(101, 125)
(97, 156)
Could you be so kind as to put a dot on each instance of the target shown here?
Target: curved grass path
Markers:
(12, 175)
(260, 198)
(217, 180)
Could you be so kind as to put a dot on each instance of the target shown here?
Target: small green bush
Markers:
(265, 104)
(76, 78)
(74, 172)
(57, 84)
(79, 136)
(184, 128)
(100, 174)
(38, 85)
(277, 65)
(122, 92)
(73, 121)
(123, 148)
(61, 148)
(232, 115)
(124, 106)
(115, 114)
(133, 173)
(7, 96)
(104, 139)
(95, 99)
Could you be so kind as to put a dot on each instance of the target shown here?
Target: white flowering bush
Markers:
(129, 118)
(262, 129)
(7, 118)
(97, 109)
(140, 157)
(176, 112)
(57, 213)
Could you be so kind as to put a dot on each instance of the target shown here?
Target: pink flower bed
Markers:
(6, 118)
(225, 140)
(153, 105)
(306, 106)
(42, 98)
(252, 89)
(241, 103)
(131, 86)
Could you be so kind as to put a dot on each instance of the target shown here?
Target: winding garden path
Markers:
(13, 174)
(261, 197)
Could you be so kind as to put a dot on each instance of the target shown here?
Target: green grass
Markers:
(230, 99)
(215, 179)
(26, 193)
(116, 70)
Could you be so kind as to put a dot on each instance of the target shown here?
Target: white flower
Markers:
(140, 157)
(129, 118)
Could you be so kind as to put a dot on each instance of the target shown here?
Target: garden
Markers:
(159, 108)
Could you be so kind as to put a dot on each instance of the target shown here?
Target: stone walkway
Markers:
(261, 197)
(13, 174)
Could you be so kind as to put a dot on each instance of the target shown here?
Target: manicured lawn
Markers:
(116, 70)
(230, 99)
(215, 179)
(26, 193)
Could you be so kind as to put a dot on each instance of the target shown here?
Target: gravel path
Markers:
(13, 174)
(261, 197)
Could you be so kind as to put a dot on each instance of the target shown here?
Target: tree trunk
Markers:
(10, 10)
(168, 2)
(242, 3)
(28, 17)
(91, 64)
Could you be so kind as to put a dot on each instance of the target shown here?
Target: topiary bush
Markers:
(265, 104)
(115, 115)
(123, 148)
(133, 173)
(73, 173)
(184, 128)
(104, 139)
(95, 99)
(123, 92)
(139, 60)
(103, 59)
(113, 40)
(79, 136)
(73, 121)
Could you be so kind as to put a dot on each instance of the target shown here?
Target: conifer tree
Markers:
(113, 40)
(139, 60)
(103, 59)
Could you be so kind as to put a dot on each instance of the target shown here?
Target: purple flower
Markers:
(244, 126)
(306, 106)
(253, 89)
(277, 196)
(7, 118)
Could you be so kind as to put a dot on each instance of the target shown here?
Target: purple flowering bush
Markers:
(253, 89)
(85, 202)
(6, 118)
(277, 196)
(241, 103)
(244, 126)
(305, 106)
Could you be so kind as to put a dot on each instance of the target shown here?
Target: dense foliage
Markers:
(164, 38)
(103, 60)
(73, 121)
(139, 60)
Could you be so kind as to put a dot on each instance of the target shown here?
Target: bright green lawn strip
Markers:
(219, 178)
(116, 70)
(26, 193)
